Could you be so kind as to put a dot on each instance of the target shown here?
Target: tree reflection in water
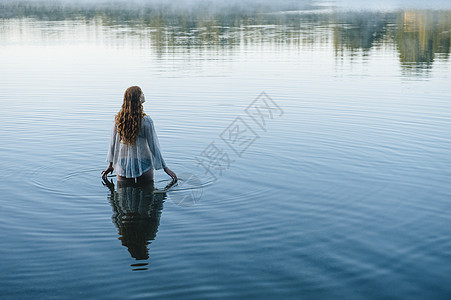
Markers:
(419, 36)
(136, 214)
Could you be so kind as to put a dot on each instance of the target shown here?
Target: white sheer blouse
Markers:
(132, 161)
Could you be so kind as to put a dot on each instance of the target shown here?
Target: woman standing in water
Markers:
(134, 149)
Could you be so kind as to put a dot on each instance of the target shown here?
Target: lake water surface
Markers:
(313, 148)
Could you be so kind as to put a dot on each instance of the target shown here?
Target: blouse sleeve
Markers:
(110, 156)
(154, 145)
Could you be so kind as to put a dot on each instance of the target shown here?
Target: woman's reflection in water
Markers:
(136, 213)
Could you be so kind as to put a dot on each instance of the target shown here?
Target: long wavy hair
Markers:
(129, 118)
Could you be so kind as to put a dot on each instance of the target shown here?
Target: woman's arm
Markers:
(154, 146)
(110, 169)
(110, 156)
(112, 147)
(172, 174)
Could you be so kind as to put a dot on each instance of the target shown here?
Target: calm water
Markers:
(340, 189)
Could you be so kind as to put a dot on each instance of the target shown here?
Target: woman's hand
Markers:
(172, 174)
(110, 169)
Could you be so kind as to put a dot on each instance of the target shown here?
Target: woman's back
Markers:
(134, 147)
(143, 154)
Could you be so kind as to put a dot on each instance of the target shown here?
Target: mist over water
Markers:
(250, 5)
(341, 190)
